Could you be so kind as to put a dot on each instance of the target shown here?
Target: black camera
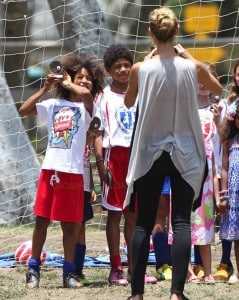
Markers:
(56, 68)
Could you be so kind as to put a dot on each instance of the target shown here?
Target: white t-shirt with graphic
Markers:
(117, 120)
(67, 123)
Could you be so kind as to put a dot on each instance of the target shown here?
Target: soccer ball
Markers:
(24, 251)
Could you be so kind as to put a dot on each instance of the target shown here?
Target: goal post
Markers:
(33, 33)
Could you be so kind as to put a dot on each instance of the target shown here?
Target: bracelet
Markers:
(223, 193)
(224, 198)
(99, 160)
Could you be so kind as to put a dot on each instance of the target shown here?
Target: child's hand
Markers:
(222, 207)
(216, 110)
(49, 82)
(66, 80)
(103, 172)
(93, 197)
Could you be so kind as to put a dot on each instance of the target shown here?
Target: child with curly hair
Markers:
(60, 192)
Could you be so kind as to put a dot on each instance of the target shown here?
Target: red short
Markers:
(61, 200)
(118, 160)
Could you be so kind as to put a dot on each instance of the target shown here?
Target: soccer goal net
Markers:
(33, 33)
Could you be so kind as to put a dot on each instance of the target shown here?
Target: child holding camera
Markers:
(60, 192)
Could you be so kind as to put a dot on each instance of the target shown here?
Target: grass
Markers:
(13, 279)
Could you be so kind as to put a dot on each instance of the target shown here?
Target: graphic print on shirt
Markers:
(207, 124)
(125, 118)
(65, 122)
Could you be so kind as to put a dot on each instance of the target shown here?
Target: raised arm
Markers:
(78, 93)
(204, 76)
(28, 108)
(132, 89)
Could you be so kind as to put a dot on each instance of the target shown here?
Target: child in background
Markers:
(228, 196)
(162, 248)
(202, 219)
(224, 270)
(90, 198)
(89, 192)
(112, 151)
(68, 117)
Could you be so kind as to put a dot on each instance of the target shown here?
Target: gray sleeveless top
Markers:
(168, 120)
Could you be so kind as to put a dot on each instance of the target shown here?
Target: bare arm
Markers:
(78, 93)
(204, 76)
(132, 89)
(28, 108)
(221, 200)
(225, 163)
(102, 169)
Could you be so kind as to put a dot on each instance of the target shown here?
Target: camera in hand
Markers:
(56, 68)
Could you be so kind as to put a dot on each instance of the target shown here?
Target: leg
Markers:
(234, 278)
(69, 230)
(226, 252)
(198, 265)
(162, 248)
(206, 255)
(225, 268)
(39, 236)
(129, 225)
(80, 248)
(38, 240)
(160, 237)
(69, 240)
(113, 237)
(236, 249)
(182, 198)
(148, 190)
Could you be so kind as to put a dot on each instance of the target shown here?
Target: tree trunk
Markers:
(19, 166)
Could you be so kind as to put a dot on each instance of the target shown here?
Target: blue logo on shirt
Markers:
(126, 118)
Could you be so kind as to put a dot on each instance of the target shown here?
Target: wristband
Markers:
(99, 160)
(223, 193)
(224, 198)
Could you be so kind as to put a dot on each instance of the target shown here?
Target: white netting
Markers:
(33, 33)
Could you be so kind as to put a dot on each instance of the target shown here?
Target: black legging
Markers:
(148, 189)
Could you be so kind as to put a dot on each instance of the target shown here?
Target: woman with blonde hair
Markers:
(168, 141)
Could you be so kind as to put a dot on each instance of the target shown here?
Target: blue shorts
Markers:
(166, 186)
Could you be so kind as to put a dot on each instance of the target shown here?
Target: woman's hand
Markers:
(151, 54)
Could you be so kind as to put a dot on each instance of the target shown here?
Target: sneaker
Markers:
(116, 277)
(81, 277)
(32, 278)
(198, 271)
(164, 272)
(223, 272)
(233, 279)
(147, 278)
(71, 281)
